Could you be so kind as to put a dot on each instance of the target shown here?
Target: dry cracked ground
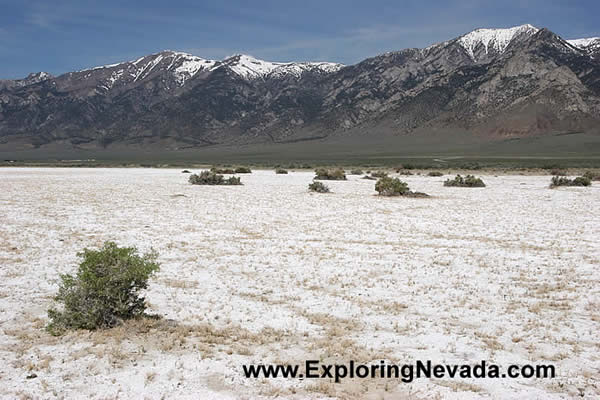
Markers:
(269, 273)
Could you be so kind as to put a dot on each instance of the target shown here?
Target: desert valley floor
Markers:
(270, 273)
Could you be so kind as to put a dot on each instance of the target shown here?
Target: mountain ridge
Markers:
(494, 83)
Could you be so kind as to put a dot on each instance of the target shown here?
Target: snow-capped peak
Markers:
(184, 66)
(250, 68)
(36, 77)
(496, 40)
(584, 43)
(589, 45)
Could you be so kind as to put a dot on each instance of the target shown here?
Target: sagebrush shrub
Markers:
(318, 187)
(592, 176)
(387, 186)
(435, 173)
(356, 172)
(212, 178)
(105, 290)
(227, 171)
(564, 181)
(242, 170)
(379, 174)
(467, 181)
(332, 175)
(558, 172)
(281, 171)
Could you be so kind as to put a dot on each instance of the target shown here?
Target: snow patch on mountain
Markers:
(190, 65)
(251, 68)
(589, 45)
(584, 43)
(496, 40)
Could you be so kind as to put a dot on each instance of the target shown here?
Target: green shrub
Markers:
(379, 174)
(105, 290)
(592, 176)
(281, 171)
(211, 178)
(331, 175)
(356, 172)
(435, 173)
(564, 181)
(318, 187)
(233, 180)
(387, 186)
(467, 181)
(242, 170)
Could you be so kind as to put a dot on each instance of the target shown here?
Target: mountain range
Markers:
(490, 84)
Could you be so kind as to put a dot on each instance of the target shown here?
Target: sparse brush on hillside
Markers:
(243, 170)
(281, 171)
(388, 186)
(212, 178)
(467, 181)
(331, 175)
(318, 187)
(356, 172)
(564, 181)
(435, 173)
(105, 290)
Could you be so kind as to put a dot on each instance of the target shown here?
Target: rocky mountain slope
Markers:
(493, 83)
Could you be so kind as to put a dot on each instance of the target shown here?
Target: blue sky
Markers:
(65, 35)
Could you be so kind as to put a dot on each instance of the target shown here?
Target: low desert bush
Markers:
(564, 181)
(228, 171)
(281, 171)
(356, 172)
(467, 181)
(435, 173)
(242, 170)
(379, 174)
(331, 175)
(105, 290)
(592, 176)
(558, 172)
(388, 186)
(212, 178)
(318, 187)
